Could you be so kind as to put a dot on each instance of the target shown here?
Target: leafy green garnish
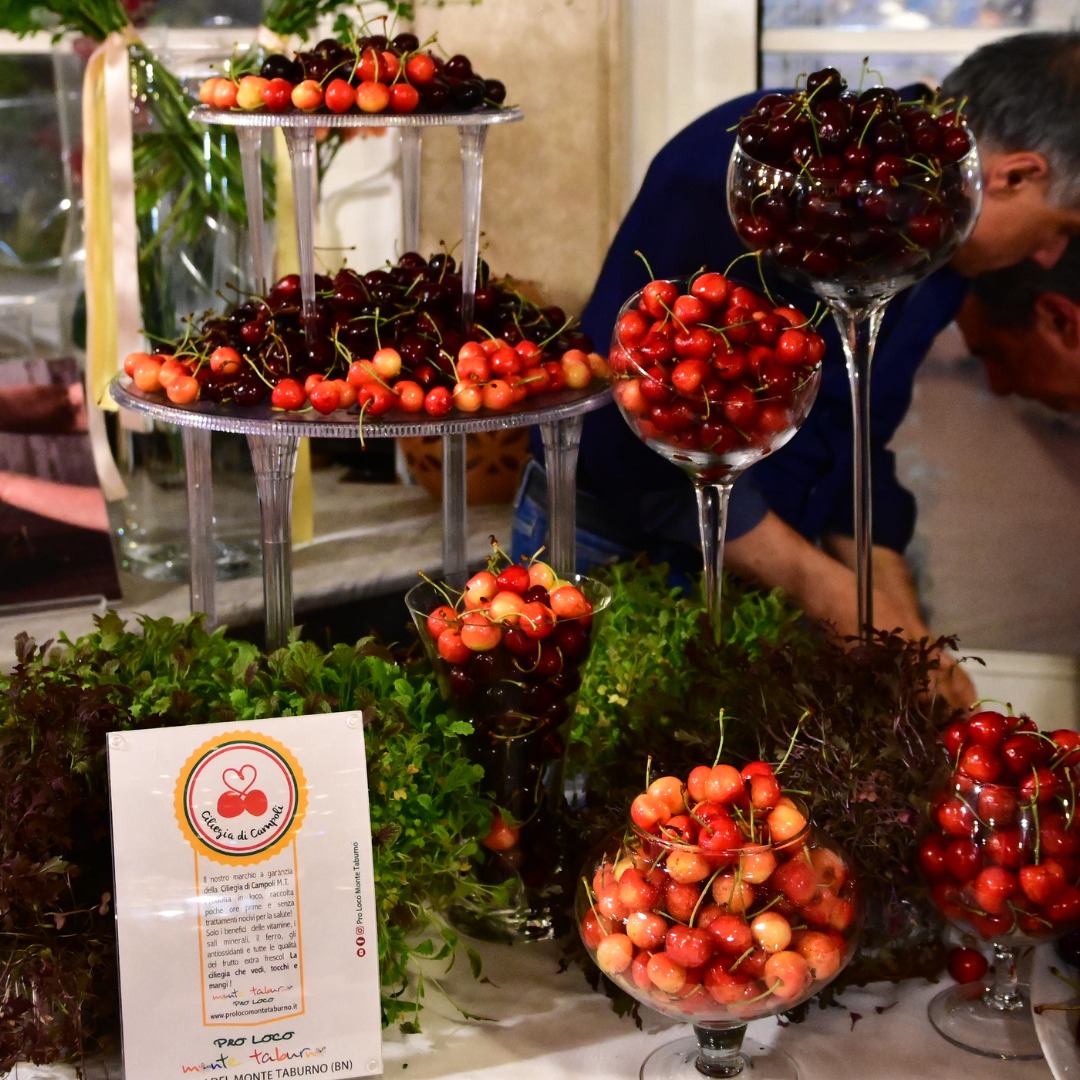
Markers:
(58, 941)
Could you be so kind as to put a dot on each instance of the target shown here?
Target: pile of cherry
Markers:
(508, 650)
(1002, 855)
(369, 74)
(718, 368)
(862, 177)
(390, 340)
(512, 644)
(720, 902)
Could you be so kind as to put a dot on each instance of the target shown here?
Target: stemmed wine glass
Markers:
(719, 935)
(999, 855)
(713, 376)
(856, 197)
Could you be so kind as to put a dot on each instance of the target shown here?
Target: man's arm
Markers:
(776, 556)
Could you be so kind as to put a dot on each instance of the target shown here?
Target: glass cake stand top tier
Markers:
(346, 424)
(477, 118)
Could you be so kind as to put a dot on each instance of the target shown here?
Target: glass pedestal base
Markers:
(507, 924)
(524, 910)
(963, 1016)
(679, 1060)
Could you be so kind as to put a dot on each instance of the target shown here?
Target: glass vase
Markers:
(519, 697)
(718, 935)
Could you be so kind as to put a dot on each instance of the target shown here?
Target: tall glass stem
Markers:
(202, 553)
(302, 161)
(562, 441)
(472, 177)
(712, 501)
(251, 141)
(859, 330)
(274, 459)
(411, 142)
(454, 500)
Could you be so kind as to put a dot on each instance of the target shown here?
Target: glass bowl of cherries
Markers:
(719, 903)
(1001, 855)
(713, 375)
(853, 194)
(509, 648)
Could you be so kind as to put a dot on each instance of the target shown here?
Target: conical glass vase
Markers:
(517, 689)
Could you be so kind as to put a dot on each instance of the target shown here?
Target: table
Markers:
(547, 1024)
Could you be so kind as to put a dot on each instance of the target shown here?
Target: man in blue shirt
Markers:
(790, 520)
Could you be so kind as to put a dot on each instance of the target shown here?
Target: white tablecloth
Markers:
(548, 1024)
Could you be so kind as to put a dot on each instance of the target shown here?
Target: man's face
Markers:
(1016, 223)
(1036, 361)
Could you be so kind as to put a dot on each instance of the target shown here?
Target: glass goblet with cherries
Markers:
(1001, 855)
(718, 904)
(713, 376)
(855, 196)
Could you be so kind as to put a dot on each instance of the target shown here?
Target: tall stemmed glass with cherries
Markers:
(713, 376)
(856, 196)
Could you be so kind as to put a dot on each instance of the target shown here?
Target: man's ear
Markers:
(1059, 316)
(1014, 171)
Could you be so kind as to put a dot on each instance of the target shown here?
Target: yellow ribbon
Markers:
(113, 315)
(111, 264)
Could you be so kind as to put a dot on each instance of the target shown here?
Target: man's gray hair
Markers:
(1023, 93)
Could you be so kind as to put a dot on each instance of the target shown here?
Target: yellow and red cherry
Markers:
(183, 390)
(307, 95)
(479, 590)
(372, 97)
(479, 633)
(249, 92)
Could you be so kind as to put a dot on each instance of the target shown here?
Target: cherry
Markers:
(967, 965)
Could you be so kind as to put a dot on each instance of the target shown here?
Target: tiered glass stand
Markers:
(274, 440)
(274, 436)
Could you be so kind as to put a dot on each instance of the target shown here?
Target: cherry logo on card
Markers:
(240, 795)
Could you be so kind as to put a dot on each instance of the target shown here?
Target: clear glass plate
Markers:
(1056, 1028)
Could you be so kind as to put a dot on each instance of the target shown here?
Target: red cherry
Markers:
(931, 857)
(690, 310)
(257, 802)
(963, 859)
(230, 804)
(993, 887)
(1042, 882)
(711, 287)
(513, 579)
(980, 763)
(967, 965)
(658, 296)
(288, 394)
(987, 728)
(340, 96)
